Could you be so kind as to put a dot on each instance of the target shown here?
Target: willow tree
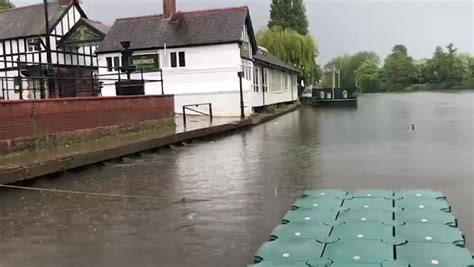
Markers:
(293, 48)
(289, 14)
(6, 4)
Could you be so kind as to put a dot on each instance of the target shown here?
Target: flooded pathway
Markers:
(212, 203)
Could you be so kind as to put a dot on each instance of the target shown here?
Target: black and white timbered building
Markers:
(30, 69)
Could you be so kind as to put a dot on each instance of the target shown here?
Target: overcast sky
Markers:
(339, 26)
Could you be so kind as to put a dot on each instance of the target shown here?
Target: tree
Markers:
(369, 76)
(293, 48)
(400, 48)
(337, 63)
(6, 4)
(347, 64)
(468, 66)
(420, 68)
(399, 68)
(289, 14)
(446, 66)
(348, 75)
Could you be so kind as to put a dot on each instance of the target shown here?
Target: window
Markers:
(34, 44)
(117, 63)
(265, 80)
(255, 80)
(109, 64)
(245, 47)
(174, 63)
(182, 59)
(178, 59)
(247, 69)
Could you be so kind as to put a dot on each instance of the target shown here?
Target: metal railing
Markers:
(55, 81)
(188, 107)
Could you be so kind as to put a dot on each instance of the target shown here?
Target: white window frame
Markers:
(247, 68)
(256, 80)
(265, 80)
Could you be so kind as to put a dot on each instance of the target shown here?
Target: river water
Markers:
(214, 202)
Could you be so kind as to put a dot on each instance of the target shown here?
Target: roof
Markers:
(84, 33)
(97, 25)
(269, 59)
(202, 27)
(28, 20)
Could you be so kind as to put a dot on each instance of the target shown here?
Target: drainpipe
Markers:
(242, 113)
(48, 48)
(291, 87)
(263, 87)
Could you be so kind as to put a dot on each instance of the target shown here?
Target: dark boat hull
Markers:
(338, 97)
(347, 102)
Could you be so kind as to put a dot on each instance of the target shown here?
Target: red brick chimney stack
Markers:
(169, 8)
(66, 2)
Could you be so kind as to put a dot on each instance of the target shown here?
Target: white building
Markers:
(274, 81)
(23, 50)
(200, 54)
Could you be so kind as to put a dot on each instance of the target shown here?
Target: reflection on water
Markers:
(217, 201)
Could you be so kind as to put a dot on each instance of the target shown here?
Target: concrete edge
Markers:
(259, 119)
(17, 173)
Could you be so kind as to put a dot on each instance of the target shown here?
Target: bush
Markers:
(271, 108)
(468, 84)
(439, 86)
(418, 87)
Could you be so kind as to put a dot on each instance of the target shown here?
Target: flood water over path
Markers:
(215, 202)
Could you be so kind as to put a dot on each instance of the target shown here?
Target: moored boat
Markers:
(334, 97)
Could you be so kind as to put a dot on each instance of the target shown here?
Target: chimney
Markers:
(66, 2)
(169, 8)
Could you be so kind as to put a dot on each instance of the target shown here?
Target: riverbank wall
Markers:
(27, 166)
(39, 124)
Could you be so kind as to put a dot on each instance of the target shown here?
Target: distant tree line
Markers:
(6, 4)
(447, 69)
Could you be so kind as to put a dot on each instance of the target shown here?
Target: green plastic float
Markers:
(367, 228)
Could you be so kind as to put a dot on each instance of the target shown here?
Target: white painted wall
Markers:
(210, 75)
(273, 98)
(275, 93)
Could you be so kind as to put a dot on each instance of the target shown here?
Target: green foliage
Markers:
(273, 108)
(348, 77)
(6, 4)
(369, 76)
(289, 14)
(400, 69)
(446, 67)
(347, 64)
(336, 63)
(293, 48)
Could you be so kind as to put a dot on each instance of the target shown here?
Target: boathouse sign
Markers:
(148, 62)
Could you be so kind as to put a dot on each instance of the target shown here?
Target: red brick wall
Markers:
(40, 117)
